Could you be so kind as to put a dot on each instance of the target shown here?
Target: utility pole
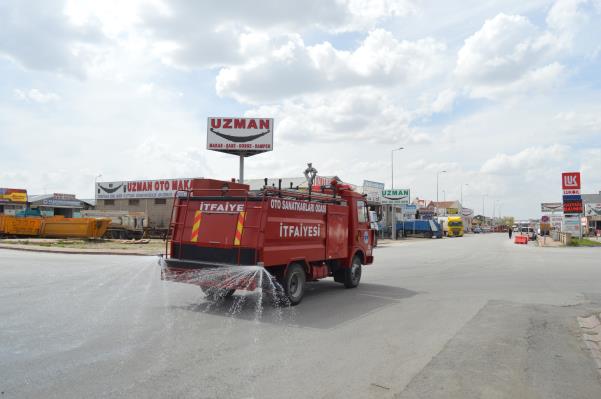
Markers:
(392, 206)
(461, 189)
(437, 175)
(392, 165)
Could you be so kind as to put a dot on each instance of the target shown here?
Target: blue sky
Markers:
(504, 95)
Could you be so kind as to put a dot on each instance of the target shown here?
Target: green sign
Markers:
(396, 196)
(395, 193)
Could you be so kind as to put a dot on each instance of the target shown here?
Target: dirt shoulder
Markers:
(98, 247)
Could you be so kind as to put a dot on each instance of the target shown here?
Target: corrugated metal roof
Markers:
(591, 198)
(39, 197)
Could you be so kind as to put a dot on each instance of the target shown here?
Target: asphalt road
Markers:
(472, 317)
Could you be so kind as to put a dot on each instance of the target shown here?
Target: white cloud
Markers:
(36, 96)
(294, 68)
(358, 114)
(508, 49)
(579, 123)
(208, 34)
(39, 36)
(527, 161)
(444, 101)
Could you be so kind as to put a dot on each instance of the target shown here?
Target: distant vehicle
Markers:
(124, 224)
(477, 230)
(526, 230)
(454, 226)
(419, 228)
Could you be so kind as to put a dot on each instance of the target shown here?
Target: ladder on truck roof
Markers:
(303, 196)
(174, 223)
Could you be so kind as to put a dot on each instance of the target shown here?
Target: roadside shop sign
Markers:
(409, 210)
(572, 206)
(571, 225)
(243, 136)
(570, 180)
(551, 207)
(373, 190)
(13, 195)
(592, 209)
(400, 196)
(164, 188)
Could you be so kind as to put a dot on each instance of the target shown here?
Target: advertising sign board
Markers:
(570, 180)
(409, 210)
(373, 190)
(397, 196)
(572, 206)
(244, 136)
(571, 225)
(592, 209)
(551, 207)
(13, 195)
(141, 188)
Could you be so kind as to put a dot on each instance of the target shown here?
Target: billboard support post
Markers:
(241, 179)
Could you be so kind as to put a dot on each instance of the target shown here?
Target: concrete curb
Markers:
(31, 248)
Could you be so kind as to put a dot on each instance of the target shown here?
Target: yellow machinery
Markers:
(53, 227)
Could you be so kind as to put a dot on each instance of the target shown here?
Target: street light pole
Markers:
(483, 217)
(392, 165)
(393, 207)
(437, 175)
(461, 189)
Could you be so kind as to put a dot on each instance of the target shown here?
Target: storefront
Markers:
(592, 214)
(152, 197)
(57, 204)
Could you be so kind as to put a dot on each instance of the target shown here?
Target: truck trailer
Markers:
(418, 228)
(296, 236)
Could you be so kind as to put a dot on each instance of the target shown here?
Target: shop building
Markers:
(58, 204)
(153, 197)
(592, 213)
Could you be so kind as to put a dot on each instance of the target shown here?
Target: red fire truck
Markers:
(297, 236)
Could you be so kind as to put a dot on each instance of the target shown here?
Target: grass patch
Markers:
(584, 242)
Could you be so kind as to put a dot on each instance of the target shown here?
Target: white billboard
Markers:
(373, 190)
(396, 196)
(592, 209)
(164, 188)
(551, 207)
(246, 136)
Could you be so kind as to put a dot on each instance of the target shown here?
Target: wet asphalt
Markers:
(472, 317)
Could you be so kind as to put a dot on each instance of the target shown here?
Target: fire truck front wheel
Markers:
(294, 283)
(352, 275)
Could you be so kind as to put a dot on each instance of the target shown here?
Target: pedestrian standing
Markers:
(510, 232)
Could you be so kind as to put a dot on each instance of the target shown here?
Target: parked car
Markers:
(477, 230)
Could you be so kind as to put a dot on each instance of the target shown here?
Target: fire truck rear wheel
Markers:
(352, 275)
(294, 283)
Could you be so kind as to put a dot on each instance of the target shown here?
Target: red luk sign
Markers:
(570, 180)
